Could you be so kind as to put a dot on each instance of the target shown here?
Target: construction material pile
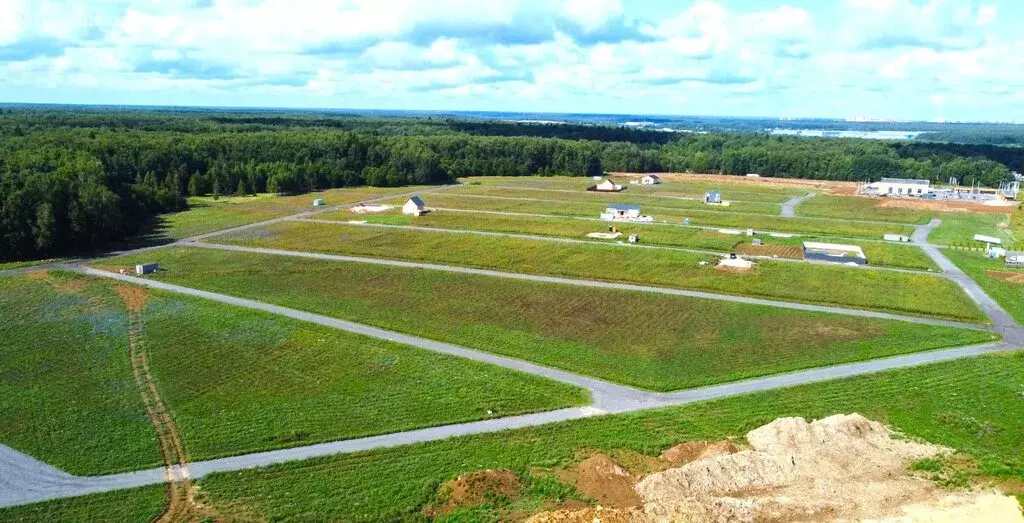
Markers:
(843, 467)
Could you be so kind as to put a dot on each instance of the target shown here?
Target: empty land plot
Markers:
(970, 405)
(642, 198)
(67, 395)
(879, 254)
(645, 340)
(697, 217)
(1003, 284)
(676, 185)
(206, 214)
(921, 294)
(241, 381)
(860, 208)
(959, 228)
(140, 505)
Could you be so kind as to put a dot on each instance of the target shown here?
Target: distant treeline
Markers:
(76, 180)
(997, 135)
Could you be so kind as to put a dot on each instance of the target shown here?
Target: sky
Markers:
(896, 59)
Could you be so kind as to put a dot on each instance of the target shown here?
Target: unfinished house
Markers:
(621, 212)
(834, 252)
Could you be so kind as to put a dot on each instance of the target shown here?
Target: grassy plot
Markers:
(67, 396)
(676, 186)
(1003, 284)
(643, 198)
(879, 254)
(243, 381)
(921, 294)
(656, 342)
(709, 218)
(140, 505)
(971, 405)
(959, 229)
(860, 208)
(208, 215)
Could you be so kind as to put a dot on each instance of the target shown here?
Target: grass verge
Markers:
(1003, 284)
(859, 208)
(139, 505)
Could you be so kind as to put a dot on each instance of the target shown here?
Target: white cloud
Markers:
(936, 24)
(12, 13)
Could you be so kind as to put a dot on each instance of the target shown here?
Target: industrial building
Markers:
(834, 252)
(898, 187)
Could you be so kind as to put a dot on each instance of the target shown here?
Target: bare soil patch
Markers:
(942, 206)
(37, 275)
(71, 286)
(743, 180)
(602, 479)
(476, 488)
(1010, 276)
(781, 251)
(843, 467)
(134, 297)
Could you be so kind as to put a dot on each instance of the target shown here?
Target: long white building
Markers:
(898, 187)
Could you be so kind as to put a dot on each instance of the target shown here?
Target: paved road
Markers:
(595, 283)
(789, 208)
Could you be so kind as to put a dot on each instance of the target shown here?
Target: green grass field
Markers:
(4, 266)
(656, 342)
(737, 189)
(243, 381)
(639, 197)
(972, 405)
(860, 208)
(1008, 293)
(879, 254)
(67, 395)
(921, 294)
(208, 215)
(709, 218)
(959, 229)
(140, 505)
(236, 380)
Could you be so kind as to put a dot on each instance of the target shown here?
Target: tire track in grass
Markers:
(181, 503)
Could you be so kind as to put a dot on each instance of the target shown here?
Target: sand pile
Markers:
(843, 467)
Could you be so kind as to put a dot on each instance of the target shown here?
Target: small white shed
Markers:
(319, 202)
(146, 268)
(414, 206)
(650, 179)
(606, 186)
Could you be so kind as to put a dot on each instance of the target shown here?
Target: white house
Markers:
(713, 197)
(650, 179)
(606, 186)
(898, 187)
(414, 206)
(621, 212)
(319, 202)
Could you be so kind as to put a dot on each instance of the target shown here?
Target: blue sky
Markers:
(901, 59)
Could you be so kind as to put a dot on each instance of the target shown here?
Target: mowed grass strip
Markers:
(67, 396)
(639, 197)
(646, 340)
(241, 381)
(206, 214)
(860, 208)
(971, 405)
(959, 229)
(878, 253)
(708, 218)
(921, 294)
(1004, 284)
(139, 505)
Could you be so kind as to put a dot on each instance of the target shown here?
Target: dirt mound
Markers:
(478, 487)
(843, 467)
(134, 297)
(602, 479)
(684, 453)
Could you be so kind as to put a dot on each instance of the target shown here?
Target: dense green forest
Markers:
(75, 180)
(997, 135)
